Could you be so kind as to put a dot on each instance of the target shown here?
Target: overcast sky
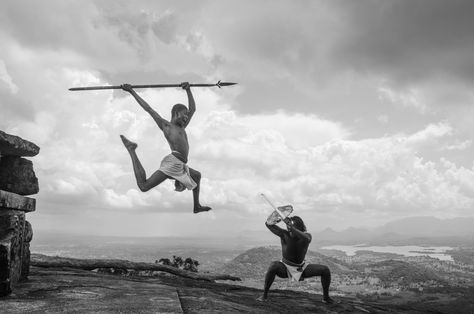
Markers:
(356, 112)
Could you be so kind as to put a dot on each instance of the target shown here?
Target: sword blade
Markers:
(273, 206)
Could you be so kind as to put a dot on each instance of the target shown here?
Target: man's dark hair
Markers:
(177, 108)
(298, 222)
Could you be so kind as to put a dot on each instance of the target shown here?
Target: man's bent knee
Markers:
(143, 187)
(146, 186)
(325, 271)
(196, 175)
(275, 265)
(156, 179)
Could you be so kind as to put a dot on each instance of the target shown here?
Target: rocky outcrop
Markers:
(11, 145)
(17, 179)
(66, 290)
(17, 176)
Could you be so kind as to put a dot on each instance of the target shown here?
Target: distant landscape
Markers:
(456, 234)
(374, 275)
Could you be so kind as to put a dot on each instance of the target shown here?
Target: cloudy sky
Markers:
(356, 112)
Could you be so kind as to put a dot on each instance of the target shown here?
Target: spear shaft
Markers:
(218, 84)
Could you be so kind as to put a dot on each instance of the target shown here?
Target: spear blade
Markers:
(218, 84)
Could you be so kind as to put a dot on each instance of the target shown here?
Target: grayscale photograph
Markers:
(268, 156)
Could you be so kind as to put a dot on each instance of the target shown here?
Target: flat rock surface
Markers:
(17, 175)
(56, 290)
(9, 200)
(12, 145)
(77, 291)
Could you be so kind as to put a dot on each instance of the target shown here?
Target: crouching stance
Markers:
(173, 166)
(294, 244)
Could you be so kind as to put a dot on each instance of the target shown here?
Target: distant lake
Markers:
(438, 252)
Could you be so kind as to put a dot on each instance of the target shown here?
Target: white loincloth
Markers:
(295, 272)
(178, 170)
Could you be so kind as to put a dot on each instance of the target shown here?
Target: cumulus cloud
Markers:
(459, 145)
(371, 175)
(411, 98)
(6, 78)
(358, 110)
(430, 134)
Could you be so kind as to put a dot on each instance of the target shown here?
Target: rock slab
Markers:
(15, 236)
(12, 145)
(9, 200)
(63, 290)
(75, 291)
(17, 176)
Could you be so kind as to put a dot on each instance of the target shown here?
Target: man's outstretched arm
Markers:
(158, 119)
(191, 102)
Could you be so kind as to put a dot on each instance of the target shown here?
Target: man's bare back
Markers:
(175, 134)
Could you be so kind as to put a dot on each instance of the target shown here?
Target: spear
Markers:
(218, 84)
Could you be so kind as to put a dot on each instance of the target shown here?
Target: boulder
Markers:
(12, 145)
(14, 201)
(26, 253)
(11, 249)
(17, 176)
(15, 235)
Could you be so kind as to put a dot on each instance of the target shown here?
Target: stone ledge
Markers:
(10, 262)
(12, 145)
(5, 253)
(66, 291)
(14, 201)
(17, 176)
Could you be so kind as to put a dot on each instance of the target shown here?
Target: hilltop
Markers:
(64, 290)
(365, 283)
(254, 262)
(416, 282)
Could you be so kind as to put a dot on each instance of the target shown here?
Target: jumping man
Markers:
(173, 166)
(294, 245)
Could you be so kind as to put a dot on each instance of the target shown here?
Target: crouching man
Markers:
(294, 245)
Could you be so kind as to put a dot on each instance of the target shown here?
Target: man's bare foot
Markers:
(198, 209)
(262, 299)
(128, 144)
(328, 300)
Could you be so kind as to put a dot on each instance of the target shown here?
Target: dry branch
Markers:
(41, 260)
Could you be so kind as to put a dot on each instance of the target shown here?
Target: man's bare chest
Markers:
(294, 242)
(174, 133)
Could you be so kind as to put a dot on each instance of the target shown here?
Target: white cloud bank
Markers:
(290, 129)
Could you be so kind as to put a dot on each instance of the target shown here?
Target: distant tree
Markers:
(188, 264)
(177, 261)
(164, 261)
